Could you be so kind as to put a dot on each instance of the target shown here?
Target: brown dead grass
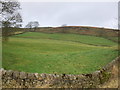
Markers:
(113, 81)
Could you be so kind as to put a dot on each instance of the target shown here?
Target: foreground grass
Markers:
(39, 53)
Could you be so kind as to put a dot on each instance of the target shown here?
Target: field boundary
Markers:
(16, 79)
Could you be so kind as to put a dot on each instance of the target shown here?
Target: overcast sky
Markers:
(98, 14)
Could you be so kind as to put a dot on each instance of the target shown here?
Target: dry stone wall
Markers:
(15, 79)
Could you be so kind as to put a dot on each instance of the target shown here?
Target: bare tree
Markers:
(10, 16)
(63, 29)
(32, 25)
(63, 25)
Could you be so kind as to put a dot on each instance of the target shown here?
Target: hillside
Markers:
(57, 53)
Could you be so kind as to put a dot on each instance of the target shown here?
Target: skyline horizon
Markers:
(52, 14)
(75, 26)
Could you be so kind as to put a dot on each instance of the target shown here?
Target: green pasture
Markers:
(57, 53)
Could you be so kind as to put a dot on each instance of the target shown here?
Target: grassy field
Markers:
(57, 53)
(70, 37)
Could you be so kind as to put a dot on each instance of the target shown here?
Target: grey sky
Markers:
(99, 14)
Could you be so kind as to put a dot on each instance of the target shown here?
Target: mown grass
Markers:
(57, 53)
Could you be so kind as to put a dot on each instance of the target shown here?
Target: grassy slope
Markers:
(70, 37)
(46, 55)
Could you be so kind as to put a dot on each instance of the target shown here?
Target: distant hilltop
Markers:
(83, 30)
(84, 27)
